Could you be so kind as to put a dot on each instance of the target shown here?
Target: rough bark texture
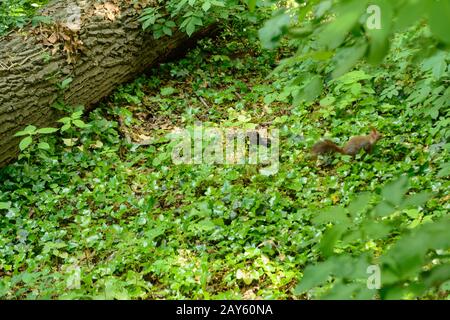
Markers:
(114, 50)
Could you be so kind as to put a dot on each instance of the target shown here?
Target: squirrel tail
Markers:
(326, 146)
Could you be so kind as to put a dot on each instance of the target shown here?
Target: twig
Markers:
(203, 101)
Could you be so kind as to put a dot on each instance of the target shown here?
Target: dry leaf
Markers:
(53, 38)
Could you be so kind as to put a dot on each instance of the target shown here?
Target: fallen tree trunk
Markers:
(97, 45)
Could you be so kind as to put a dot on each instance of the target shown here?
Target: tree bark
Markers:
(108, 49)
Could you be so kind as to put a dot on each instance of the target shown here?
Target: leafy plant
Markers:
(31, 131)
(405, 266)
(187, 15)
(73, 120)
(17, 13)
(105, 213)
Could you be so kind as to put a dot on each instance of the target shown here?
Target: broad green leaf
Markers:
(347, 58)
(327, 101)
(346, 18)
(65, 120)
(315, 275)
(65, 83)
(21, 133)
(65, 127)
(47, 130)
(43, 146)
(77, 114)
(167, 91)
(79, 123)
(416, 200)
(341, 291)
(331, 215)
(251, 5)
(311, 90)
(410, 13)
(330, 238)
(358, 204)
(167, 31)
(375, 230)
(272, 31)
(445, 170)
(5, 205)
(25, 143)
(206, 6)
(436, 276)
(394, 191)
(384, 209)
(30, 129)
(154, 232)
(190, 28)
(439, 17)
(379, 38)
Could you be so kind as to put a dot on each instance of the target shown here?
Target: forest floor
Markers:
(98, 216)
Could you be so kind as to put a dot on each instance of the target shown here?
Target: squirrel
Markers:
(352, 147)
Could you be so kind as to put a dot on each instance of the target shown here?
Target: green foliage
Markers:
(101, 215)
(31, 131)
(17, 13)
(65, 83)
(405, 266)
(73, 121)
(189, 15)
(355, 29)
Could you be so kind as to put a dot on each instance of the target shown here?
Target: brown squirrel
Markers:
(352, 147)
